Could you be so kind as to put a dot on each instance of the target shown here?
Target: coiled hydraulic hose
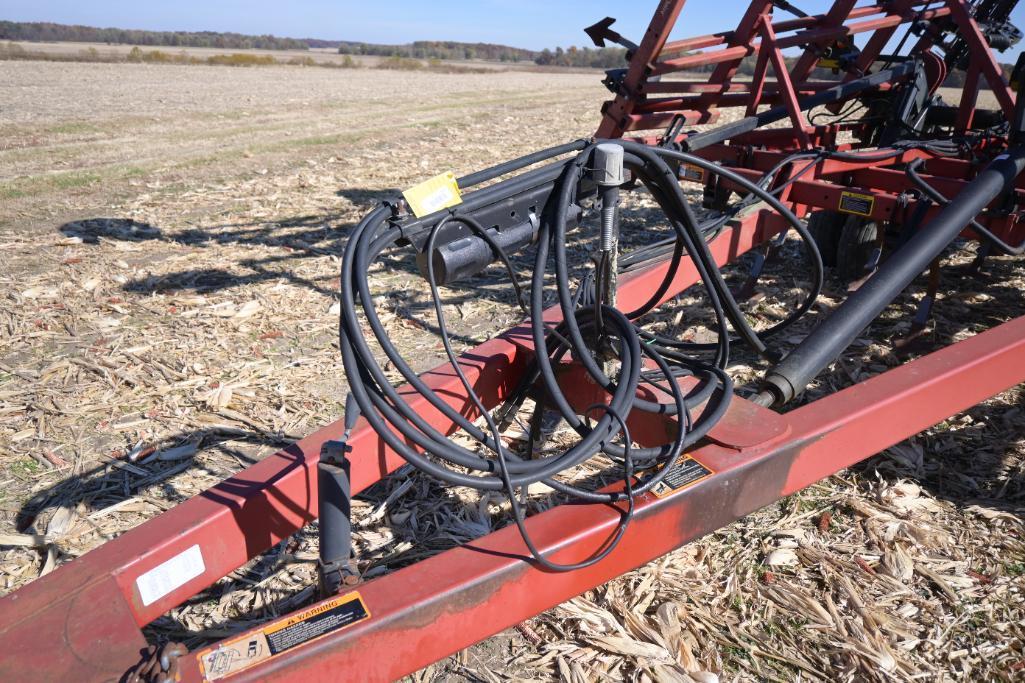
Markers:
(603, 428)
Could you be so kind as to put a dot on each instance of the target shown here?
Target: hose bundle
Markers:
(588, 329)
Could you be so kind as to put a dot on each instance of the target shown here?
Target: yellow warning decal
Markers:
(434, 194)
(685, 473)
(858, 204)
(691, 172)
(235, 655)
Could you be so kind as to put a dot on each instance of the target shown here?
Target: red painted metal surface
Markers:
(452, 600)
(814, 32)
(757, 34)
(651, 44)
(83, 621)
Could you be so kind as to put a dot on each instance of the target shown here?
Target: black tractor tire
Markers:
(858, 239)
(825, 228)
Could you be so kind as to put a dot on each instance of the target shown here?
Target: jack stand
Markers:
(336, 567)
(747, 290)
(906, 343)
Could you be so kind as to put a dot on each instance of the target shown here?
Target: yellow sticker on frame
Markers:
(857, 203)
(434, 194)
(693, 173)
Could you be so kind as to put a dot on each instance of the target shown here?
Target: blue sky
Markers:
(532, 24)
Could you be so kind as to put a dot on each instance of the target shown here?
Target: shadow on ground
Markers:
(298, 239)
(110, 483)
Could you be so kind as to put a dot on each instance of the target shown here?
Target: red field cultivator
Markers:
(867, 165)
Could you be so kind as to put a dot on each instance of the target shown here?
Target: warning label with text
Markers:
(686, 472)
(240, 653)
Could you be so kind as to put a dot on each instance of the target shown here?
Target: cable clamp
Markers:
(334, 452)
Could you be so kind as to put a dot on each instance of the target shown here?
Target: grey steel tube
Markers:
(828, 340)
(834, 94)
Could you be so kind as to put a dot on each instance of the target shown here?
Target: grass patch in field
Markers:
(73, 179)
(206, 160)
(8, 191)
(317, 140)
(312, 141)
(73, 127)
(25, 467)
(70, 180)
(400, 63)
(241, 59)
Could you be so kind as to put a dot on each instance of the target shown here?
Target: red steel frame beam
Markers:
(833, 19)
(740, 45)
(443, 604)
(786, 90)
(981, 58)
(89, 612)
(716, 39)
(651, 45)
(816, 35)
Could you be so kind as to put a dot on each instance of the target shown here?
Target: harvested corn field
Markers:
(169, 266)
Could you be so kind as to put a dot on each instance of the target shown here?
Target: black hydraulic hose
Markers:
(700, 252)
(912, 172)
(521, 162)
(711, 227)
(558, 243)
(495, 466)
(828, 340)
(818, 269)
(835, 94)
(754, 339)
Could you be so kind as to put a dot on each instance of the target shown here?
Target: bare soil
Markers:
(170, 240)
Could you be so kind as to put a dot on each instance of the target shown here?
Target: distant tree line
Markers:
(601, 58)
(50, 32)
(439, 49)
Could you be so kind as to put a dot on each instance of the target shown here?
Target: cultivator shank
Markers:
(877, 198)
